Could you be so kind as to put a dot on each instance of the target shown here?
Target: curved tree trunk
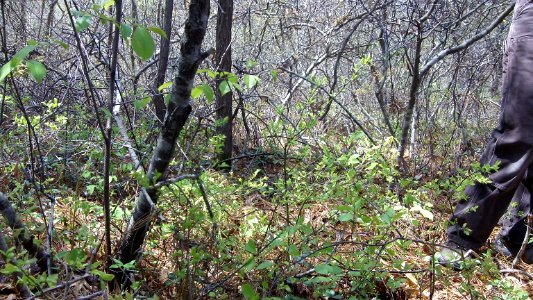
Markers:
(177, 113)
(24, 236)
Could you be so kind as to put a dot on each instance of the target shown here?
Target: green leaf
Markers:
(265, 265)
(248, 292)
(251, 247)
(345, 217)
(107, 4)
(164, 86)
(119, 265)
(196, 92)
(102, 275)
(276, 243)
(274, 74)
(83, 23)
(75, 258)
(140, 104)
(232, 78)
(159, 31)
(224, 88)
(130, 265)
(10, 269)
(250, 64)
(322, 269)
(51, 280)
(208, 93)
(250, 80)
(24, 52)
(249, 265)
(36, 70)
(326, 269)
(221, 121)
(211, 74)
(91, 188)
(106, 112)
(354, 159)
(388, 216)
(293, 250)
(142, 43)
(125, 31)
(62, 44)
(321, 279)
(236, 86)
(5, 70)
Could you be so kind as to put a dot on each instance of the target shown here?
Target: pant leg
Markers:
(514, 220)
(511, 145)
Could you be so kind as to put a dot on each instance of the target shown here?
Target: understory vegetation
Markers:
(353, 135)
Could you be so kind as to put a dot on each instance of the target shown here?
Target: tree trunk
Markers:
(223, 61)
(108, 138)
(23, 290)
(159, 100)
(177, 113)
(24, 236)
(413, 91)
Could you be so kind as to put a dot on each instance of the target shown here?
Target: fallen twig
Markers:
(525, 242)
(93, 295)
(522, 272)
(62, 285)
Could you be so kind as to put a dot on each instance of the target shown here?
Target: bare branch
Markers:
(467, 43)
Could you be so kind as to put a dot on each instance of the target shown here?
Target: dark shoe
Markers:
(509, 249)
(504, 247)
(453, 256)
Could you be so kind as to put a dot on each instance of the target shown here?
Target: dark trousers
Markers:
(511, 146)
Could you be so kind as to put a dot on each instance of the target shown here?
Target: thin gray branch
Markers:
(467, 43)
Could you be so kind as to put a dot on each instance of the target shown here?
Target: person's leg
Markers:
(512, 142)
(474, 219)
(515, 220)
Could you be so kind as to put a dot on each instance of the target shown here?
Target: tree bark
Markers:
(223, 60)
(159, 100)
(108, 138)
(413, 90)
(177, 113)
(24, 236)
(23, 290)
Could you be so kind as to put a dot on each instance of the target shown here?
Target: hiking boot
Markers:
(452, 256)
(509, 249)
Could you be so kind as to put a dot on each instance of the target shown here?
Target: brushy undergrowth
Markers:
(327, 217)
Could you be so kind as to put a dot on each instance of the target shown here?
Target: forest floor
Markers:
(320, 229)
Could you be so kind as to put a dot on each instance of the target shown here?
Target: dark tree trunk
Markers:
(223, 61)
(415, 84)
(159, 100)
(23, 290)
(177, 113)
(24, 236)
(108, 139)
